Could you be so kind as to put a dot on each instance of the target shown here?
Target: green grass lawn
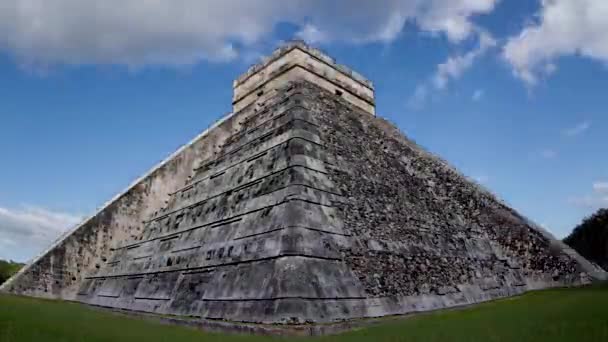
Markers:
(552, 315)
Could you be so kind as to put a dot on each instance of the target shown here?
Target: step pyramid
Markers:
(300, 207)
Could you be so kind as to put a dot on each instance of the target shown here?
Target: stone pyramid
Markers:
(301, 206)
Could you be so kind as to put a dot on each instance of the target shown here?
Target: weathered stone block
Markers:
(301, 207)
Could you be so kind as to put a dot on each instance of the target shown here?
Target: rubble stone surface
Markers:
(300, 208)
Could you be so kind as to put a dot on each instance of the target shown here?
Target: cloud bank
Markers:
(167, 32)
(138, 33)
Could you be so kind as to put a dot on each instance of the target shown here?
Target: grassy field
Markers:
(553, 315)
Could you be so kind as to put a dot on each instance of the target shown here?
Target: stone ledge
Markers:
(295, 330)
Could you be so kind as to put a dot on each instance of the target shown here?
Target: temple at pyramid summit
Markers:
(301, 207)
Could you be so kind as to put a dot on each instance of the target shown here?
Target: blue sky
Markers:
(93, 93)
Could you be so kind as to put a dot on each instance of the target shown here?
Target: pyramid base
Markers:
(411, 304)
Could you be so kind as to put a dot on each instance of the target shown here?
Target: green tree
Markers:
(7, 269)
(590, 238)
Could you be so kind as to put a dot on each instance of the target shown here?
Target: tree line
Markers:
(590, 238)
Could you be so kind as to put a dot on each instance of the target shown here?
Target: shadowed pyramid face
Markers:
(301, 207)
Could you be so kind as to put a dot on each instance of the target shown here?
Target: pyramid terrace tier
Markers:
(303, 208)
(297, 61)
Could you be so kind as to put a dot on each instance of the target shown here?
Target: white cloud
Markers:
(548, 153)
(418, 99)
(453, 16)
(312, 34)
(477, 95)
(138, 33)
(597, 199)
(482, 179)
(28, 230)
(600, 187)
(590, 201)
(564, 27)
(578, 129)
(453, 68)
